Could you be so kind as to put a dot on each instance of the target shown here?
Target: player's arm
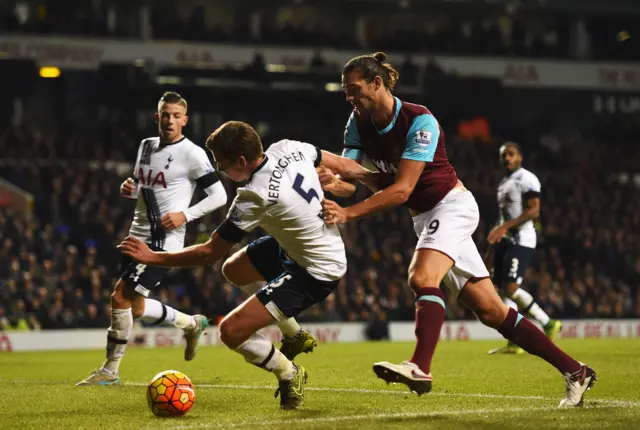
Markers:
(338, 174)
(420, 148)
(394, 195)
(244, 215)
(207, 180)
(129, 188)
(531, 211)
(216, 197)
(198, 255)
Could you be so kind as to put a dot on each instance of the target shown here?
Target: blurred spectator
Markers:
(458, 31)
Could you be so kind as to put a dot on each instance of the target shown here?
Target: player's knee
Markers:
(119, 298)
(137, 308)
(423, 279)
(228, 270)
(492, 314)
(511, 288)
(229, 333)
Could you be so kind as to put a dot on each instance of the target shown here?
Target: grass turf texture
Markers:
(471, 390)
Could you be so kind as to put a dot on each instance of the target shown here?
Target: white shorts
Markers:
(448, 228)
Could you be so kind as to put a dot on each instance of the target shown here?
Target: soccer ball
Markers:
(170, 394)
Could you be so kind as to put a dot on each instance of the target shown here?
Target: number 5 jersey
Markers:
(283, 196)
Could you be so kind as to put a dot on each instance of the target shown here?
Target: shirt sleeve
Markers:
(136, 169)
(530, 186)
(313, 152)
(216, 198)
(352, 146)
(422, 139)
(247, 210)
(201, 170)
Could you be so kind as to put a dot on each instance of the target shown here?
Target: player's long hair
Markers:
(373, 65)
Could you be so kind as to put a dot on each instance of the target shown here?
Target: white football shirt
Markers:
(166, 177)
(512, 193)
(283, 196)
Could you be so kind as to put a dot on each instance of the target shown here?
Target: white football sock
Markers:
(288, 327)
(513, 305)
(159, 313)
(117, 338)
(258, 351)
(527, 304)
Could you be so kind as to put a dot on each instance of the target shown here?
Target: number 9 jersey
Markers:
(283, 196)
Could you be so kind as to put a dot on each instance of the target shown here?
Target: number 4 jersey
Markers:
(283, 196)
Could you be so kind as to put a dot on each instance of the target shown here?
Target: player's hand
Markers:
(328, 180)
(136, 249)
(326, 176)
(334, 213)
(496, 234)
(127, 188)
(334, 184)
(173, 220)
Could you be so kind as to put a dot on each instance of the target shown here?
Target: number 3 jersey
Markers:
(283, 196)
(513, 192)
(412, 134)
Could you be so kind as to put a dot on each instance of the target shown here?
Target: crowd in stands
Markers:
(58, 266)
(509, 32)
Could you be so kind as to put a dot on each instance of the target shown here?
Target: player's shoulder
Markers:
(153, 140)
(286, 146)
(413, 109)
(528, 175)
(279, 146)
(192, 151)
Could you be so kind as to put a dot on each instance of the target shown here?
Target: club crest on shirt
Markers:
(423, 138)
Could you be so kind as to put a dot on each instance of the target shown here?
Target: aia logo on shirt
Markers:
(151, 179)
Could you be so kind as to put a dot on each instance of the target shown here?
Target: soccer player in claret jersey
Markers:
(405, 143)
(514, 240)
(167, 170)
(302, 260)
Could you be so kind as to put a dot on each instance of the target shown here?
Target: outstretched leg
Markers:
(482, 299)
(238, 331)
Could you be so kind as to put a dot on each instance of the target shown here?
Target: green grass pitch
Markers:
(472, 390)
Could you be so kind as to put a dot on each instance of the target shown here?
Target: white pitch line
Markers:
(400, 415)
(590, 399)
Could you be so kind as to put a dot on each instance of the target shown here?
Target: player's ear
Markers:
(185, 121)
(156, 117)
(377, 83)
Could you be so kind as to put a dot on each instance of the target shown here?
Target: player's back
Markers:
(287, 186)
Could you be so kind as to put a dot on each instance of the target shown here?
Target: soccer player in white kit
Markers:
(282, 195)
(167, 170)
(514, 240)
